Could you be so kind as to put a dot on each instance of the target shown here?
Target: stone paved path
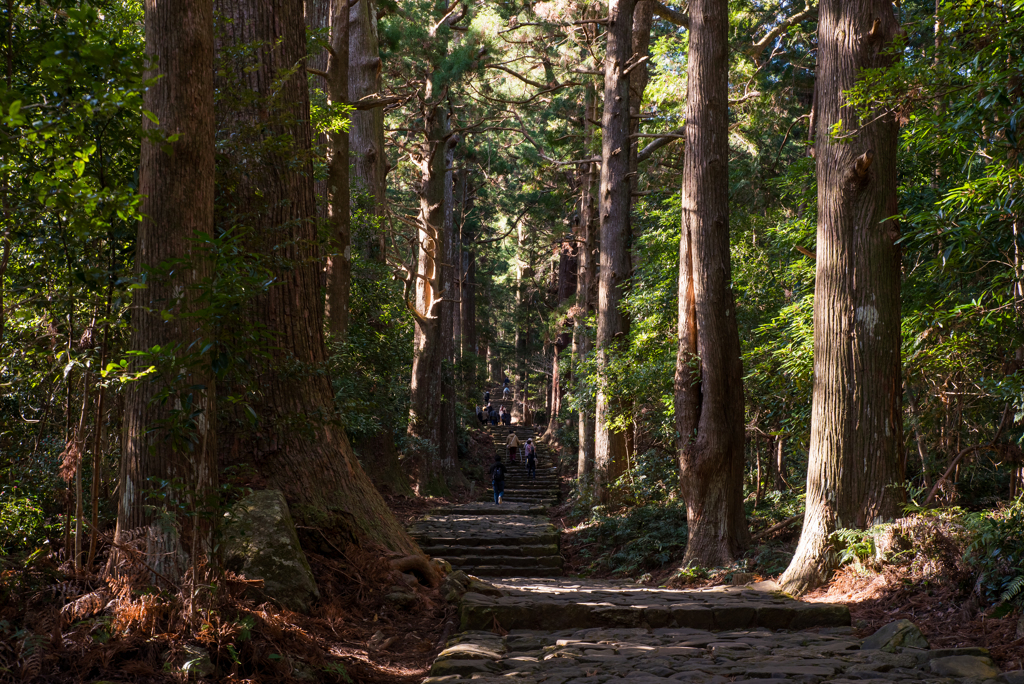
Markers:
(511, 539)
(535, 627)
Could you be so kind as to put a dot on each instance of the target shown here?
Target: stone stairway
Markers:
(542, 490)
(513, 539)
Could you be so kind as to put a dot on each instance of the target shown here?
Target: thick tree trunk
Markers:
(708, 381)
(493, 365)
(586, 236)
(298, 445)
(432, 412)
(856, 419)
(318, 19)
(339, 220)
(173, 439)
(366, 191)
(568, 264)
(366, 126)
(613, 207)
(470, 343)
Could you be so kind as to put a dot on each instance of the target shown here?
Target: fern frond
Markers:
(1013, 589)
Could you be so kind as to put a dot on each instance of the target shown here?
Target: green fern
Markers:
(1012, 589)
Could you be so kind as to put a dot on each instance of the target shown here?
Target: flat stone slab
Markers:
(610, 655)
(557, 604)
(459, 529)
(481, 508)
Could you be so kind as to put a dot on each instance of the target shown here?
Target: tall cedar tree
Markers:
(432, 411)
(298, 445)
(856, 419)
(169, 427)
(339, 219)
(586, 235)
(613, 207)
(377, 451)
(708, 380)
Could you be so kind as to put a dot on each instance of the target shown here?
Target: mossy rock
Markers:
(260, 543)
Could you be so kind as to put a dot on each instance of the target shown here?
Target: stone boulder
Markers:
(260, 543)
(899, 634)
(964, 666)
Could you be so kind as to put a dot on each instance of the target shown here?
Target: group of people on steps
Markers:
(488, 414)
(498, 470)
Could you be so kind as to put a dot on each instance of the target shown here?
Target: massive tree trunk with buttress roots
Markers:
(613, 207)
(856, 416)
(297, 444)
(173, 440)
(708, 381)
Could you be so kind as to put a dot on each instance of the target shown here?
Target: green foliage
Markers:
(634, 540)
(996, 553)
(370, 367)
(23, 525)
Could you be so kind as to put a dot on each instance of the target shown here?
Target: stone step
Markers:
(521, 562)
(477, 509)
(505, 571)
(577, 604)
(525, 550)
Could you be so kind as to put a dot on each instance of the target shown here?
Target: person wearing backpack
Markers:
(480, 415)
(487, 396)
(513, 446)
(492, 415)
(498, 478)
(531, 459)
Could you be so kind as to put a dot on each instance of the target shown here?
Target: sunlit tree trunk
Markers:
(613, 207)
(173, 439)
(856, 417)
(708, 381)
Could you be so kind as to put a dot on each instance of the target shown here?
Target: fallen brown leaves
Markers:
(935, 606)
(60, 628)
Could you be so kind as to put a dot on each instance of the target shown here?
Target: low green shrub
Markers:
(635, 540)
(23, 524)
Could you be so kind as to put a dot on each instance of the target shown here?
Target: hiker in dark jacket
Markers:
(487, 396)
(480, 415)
(492, 415)
(498, 478)
(530, 452)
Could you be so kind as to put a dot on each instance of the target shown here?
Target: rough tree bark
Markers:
(613, 207)
(856, 418)
(586, 236)
(367, 186)
(708, 380)
(297, 445)
(366, 126)
(433, 397)
(567, 280)
(339, 218)
(173, 440)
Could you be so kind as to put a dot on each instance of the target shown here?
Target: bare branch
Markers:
(757, 48)
(673, 15)
(749, 96)
(522, 78)
(660, 142)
